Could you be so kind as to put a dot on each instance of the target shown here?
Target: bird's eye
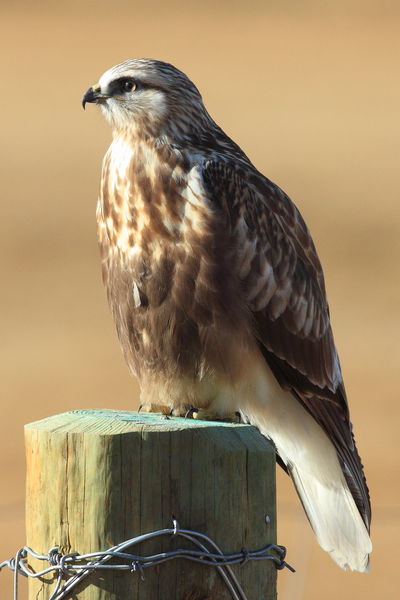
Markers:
(128, 85)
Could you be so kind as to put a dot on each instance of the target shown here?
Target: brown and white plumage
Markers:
(218, 294)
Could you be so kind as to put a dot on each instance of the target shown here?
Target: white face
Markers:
(145, 94)
(132, 97)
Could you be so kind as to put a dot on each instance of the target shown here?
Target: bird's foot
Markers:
(154, 408)
(190, 412)
(183, 410)
(207, 415)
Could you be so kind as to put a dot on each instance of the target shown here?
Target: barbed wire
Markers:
(74, 567)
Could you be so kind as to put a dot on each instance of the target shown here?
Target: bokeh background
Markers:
(311, 91)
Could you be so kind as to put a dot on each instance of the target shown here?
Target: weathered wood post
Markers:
(98, 477)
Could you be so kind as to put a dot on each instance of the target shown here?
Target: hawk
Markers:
(218, 294)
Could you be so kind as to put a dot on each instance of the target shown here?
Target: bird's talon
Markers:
(191, 413)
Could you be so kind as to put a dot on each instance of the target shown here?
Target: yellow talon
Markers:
(206, 415)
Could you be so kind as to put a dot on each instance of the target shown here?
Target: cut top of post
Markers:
(116, 422)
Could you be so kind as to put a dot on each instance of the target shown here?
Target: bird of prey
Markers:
(218, 294)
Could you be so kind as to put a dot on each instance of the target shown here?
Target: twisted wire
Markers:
(71, 568)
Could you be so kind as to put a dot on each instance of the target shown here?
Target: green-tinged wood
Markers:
(98, 477)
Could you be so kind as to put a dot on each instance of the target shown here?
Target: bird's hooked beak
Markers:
(93, 94)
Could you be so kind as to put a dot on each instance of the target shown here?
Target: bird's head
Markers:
(149, 97)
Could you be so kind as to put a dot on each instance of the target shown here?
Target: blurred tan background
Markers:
(312, 93)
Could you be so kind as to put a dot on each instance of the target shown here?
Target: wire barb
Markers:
(71, 568)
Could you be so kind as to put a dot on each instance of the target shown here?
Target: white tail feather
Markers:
(335, 520)
(314, 466)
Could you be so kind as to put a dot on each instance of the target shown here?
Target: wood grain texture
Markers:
(96, 478)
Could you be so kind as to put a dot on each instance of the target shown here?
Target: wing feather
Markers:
(283, 284)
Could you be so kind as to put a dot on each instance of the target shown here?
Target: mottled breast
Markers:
(167, 262)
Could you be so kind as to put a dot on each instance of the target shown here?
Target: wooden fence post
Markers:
(98, 477)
